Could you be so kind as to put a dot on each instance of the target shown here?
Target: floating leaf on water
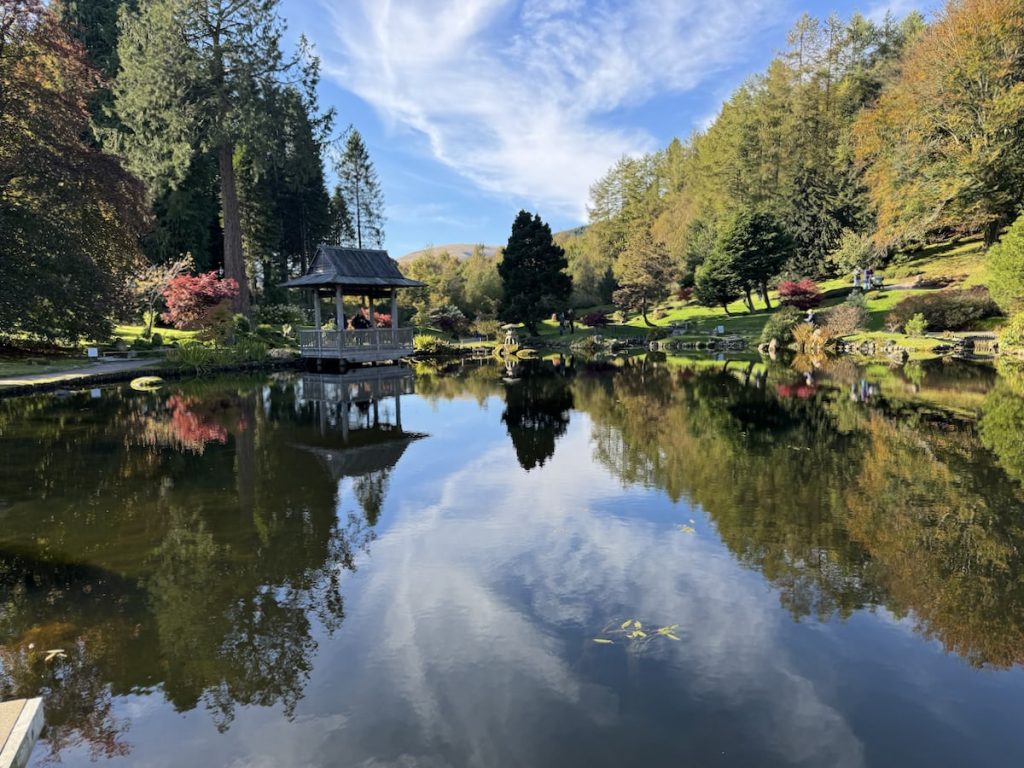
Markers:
(687, 529)
(671, 636)
(626, 623)
(692, 521)
(638, 625)
(603, 641)
(55, 653)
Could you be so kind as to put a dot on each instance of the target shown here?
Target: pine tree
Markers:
(341, 231)
(194, 78)
(361, 191)
(532, 273)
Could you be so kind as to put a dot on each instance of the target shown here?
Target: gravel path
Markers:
(84, 371)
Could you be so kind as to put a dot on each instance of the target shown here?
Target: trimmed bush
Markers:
(156, 340)
(916, 326)
(802, 294)
(780, 325)
(953, 310)
(596, 319)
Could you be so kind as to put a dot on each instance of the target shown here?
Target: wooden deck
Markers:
(20, 724)
(363, 346)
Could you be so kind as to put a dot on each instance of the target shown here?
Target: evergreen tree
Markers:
(717, 282)
(758, 247)
(532, 271)
(195, 77)
(361, 191)
(341, 231)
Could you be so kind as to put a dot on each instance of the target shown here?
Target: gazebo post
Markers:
(373, 322)
(317, 320)
(394, 315)
(339, 309)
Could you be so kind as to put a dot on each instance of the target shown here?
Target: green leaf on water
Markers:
(671, 636)
(638, 625)
(626, 623)
(602, 641)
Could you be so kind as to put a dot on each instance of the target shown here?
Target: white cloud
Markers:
(514, 95)
(898, 8)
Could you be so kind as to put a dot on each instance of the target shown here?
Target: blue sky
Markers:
(473, 109)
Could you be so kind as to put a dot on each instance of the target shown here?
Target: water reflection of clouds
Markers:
(467, 637)
(465, 603)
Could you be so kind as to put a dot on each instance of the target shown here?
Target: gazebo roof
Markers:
(352, 267)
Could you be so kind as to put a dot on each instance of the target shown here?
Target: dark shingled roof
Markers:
(355, 267)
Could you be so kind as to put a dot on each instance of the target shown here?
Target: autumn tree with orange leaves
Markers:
(943, 149)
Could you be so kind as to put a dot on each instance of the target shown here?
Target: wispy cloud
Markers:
(899, 8)
(521, 96)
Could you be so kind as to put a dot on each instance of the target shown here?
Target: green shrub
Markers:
(425, 344)
(951, 310)
(279, 314)
(489, 329)
(199, 357)
(780, 325)
(156, 340)
(657, 334)
(1006, 267)
(140, 343)
(1011, 337)
(917, 325)
(242, 324)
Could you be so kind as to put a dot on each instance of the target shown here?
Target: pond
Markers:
(563, 563)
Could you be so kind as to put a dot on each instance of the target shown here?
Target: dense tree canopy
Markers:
(200, 77)
(70, 216)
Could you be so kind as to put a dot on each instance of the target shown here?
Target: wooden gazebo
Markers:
(369, 275)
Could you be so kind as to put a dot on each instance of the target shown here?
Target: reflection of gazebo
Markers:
(370, 275)
(367, 447)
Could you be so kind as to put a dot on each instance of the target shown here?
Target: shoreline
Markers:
(71, 381)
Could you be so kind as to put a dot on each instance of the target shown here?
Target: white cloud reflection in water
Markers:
(455, 650)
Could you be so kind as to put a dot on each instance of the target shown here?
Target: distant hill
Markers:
(462, 251)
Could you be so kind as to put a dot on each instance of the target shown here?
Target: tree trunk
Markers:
(991, 232)
(748, 300)
(725, 306)
(234, 262)
(764, 293)
(643, 313)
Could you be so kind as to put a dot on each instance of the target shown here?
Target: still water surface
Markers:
(307, 570)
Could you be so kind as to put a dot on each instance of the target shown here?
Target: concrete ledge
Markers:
(21, 722)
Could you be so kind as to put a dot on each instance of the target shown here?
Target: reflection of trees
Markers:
(771, 473)
(839, 507)
(537, 413)
(207, 589)
(945, 526)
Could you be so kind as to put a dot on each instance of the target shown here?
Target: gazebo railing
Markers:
(325, 343)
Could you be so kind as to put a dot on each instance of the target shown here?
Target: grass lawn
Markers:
(129, 333)
(30, 366)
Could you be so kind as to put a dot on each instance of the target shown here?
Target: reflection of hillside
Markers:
(202, 574)
(840, 506)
